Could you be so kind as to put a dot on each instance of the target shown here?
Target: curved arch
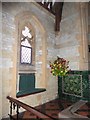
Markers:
(27, 18)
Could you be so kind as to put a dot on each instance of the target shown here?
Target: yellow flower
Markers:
(59, 67)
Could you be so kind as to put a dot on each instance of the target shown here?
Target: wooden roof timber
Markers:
(58, 15)
(55, 9)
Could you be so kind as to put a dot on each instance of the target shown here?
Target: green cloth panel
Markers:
(29, 92)
(27, 85)
(27, 82)
(85, 77)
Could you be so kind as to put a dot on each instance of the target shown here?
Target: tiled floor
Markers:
(54, 107)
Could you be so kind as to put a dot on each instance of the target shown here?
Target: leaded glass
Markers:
(26, 54)
(26, 48)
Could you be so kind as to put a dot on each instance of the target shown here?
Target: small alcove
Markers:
(27, 85)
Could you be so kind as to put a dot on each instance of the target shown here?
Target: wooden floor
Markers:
(52, 109)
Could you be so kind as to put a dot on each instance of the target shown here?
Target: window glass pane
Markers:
(26, 48)
(25, 43)
(26, 32)
(25, 55)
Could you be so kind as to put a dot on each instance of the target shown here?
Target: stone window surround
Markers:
(33, 68)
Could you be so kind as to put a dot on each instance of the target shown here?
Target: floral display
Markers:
(60, 67)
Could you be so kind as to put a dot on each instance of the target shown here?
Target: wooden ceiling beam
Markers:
(45, 5)
(55, 9)
(58, 15)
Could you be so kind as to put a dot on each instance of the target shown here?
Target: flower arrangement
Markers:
(60, 67)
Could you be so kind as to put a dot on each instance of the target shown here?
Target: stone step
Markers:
(70, 111)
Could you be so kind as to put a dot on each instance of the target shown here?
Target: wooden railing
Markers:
(48, 5)
(17, 104)
(56, 9)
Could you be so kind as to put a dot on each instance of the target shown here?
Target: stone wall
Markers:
(89, 31)
(44, 34)
(72, 43)
(68, 44)
(0, 60)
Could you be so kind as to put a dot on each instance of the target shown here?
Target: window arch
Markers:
(38, 44)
